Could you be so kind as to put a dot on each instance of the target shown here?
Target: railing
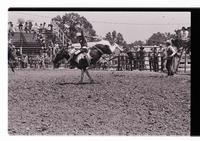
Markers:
(122, 62)
(59, 33)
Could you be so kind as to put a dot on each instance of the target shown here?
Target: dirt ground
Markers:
(51, 102)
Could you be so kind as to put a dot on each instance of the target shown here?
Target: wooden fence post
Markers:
(185, 61)
(118, 62)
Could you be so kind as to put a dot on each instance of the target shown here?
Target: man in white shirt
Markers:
(162, 55)
(184, 34)
(184, 37)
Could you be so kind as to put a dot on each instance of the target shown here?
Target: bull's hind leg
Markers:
(87, 73)
(82, 75)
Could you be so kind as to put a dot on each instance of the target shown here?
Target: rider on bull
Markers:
(84, 49)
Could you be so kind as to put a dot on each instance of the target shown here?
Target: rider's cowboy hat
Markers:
(168, 42)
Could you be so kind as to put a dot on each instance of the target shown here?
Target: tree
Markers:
(120, 39)
(159, 38)
(117, 38)
(114, 36)
(57, 18)
(138, 43)
(71, 23)
(109, 37)
(20, 21)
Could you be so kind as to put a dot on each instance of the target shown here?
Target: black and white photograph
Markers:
(119, 73)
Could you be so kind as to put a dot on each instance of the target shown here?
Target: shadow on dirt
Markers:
(157, 76)
(76, 83)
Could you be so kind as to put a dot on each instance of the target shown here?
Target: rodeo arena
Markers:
(91, 86)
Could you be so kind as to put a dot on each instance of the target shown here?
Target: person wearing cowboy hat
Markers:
(170, 52)
(141, 58)
(136, 57)
(150, 56)
(81, 38)
(84, 46)
(184, 34)
(155, 59)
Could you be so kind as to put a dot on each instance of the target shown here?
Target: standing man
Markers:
(155, 59)
(10, 30)
(20, 26)
(137, 58)
(185, 38)
(30, 25)
(26, 27)
(170, 52)
(184, 35)
(150, 56)
(161, 52)
(141, 58)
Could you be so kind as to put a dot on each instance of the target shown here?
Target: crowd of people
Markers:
(29, 27)
(139, 56)
(164, 54)
(46, 52)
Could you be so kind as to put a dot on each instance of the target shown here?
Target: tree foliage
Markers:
(159, 38)
(138, 43)
(114, 37)
(71, 23)
(20, 21)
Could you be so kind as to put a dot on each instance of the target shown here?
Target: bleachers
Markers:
(28, 43)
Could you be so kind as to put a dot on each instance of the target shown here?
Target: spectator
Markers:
(24, 61)
(40, 28)
(162, 56)
(150, 56)
(35, 28)
(50, 27)
(42, 61)
(137, 58)
(184, 34)
(26, 27)
(37, 61)
(155, 59)
(18, 53)
(35, 31)
(20, 26)
(30, 61)
(141, 58)
(30, 26)
(56, 48)
(10, 29)
(46, 60)
(133, 58)
(44, 27)
(170, 56)
(184, 37)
